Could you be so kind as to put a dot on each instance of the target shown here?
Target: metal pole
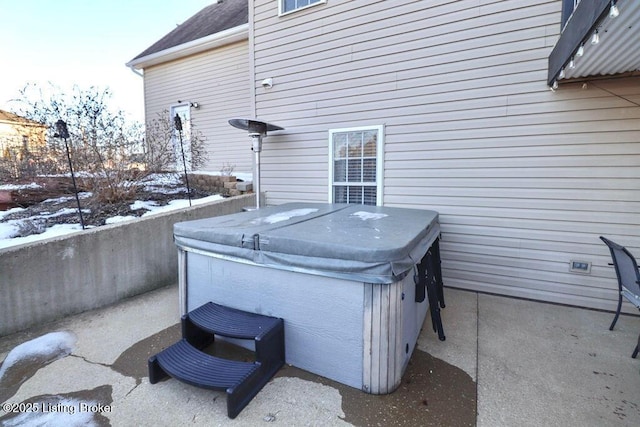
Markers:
(178, 124)
(257, 148)
(257, 180)
(63, 133)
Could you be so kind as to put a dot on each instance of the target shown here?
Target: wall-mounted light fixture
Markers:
(194, 105)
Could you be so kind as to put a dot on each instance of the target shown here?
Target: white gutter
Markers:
(136, 71)
(232, 35)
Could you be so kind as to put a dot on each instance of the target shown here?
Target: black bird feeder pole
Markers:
(178, 124)
(63, 133)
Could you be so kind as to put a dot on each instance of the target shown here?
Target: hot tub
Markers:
(341, 276)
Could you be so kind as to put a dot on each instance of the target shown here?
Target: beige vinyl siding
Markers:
(525, 179)
(218, 80)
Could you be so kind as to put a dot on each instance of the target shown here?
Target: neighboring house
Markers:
(19, 135)
(200, 71)
(447, 106)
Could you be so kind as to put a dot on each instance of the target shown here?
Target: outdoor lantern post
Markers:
(178, 125)
(63, 132)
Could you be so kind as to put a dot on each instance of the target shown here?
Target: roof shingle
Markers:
(214, 18)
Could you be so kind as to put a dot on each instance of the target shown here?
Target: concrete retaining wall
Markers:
(57, 277)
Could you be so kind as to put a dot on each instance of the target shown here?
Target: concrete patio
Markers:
(505, 362)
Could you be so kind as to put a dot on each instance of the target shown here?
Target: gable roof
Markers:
(214, 19)
(7, 117)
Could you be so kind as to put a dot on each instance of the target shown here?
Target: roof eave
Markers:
(232, 35)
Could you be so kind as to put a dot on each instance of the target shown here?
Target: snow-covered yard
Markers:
(166, 186)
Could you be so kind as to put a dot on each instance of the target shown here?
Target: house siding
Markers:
(525, 179)
(218, 80)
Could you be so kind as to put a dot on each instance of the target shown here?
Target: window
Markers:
(355, 170)
(287, 6)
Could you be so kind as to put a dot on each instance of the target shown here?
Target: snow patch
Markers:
(119, 218)
(65, 211)
(181, 203)
(33, 185)
(10, 211)
(283, 216)
(140, 204)
(54, 231)
(9, 229)
(161, 183)
(368, 215)
(81, 195)
(52, 346)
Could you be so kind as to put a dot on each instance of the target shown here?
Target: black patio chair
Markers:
(628, 280)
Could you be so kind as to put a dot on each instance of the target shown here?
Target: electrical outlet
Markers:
(580, 267)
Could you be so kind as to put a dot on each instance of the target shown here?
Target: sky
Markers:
(84, 43)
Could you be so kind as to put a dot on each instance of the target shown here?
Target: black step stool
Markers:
(186, 362)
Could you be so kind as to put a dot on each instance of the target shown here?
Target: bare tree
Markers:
(108, 151)
(161, 137)
(102, 141)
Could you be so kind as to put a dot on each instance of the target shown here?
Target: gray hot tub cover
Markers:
(371, 244)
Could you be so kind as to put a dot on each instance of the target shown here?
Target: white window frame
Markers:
(379, 160)
(282, 12)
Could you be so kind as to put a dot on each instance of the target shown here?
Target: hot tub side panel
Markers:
(323, 316)
(392, 323)
(383, 338)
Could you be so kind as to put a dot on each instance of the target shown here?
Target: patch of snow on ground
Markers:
(368, 215)
(10, 211)
(142, 204)
(119, 218)
(56, 230)
(181, 203)
(81, 195)
(52, 346)
(65, 211)
(153, 208)
(12, 187)
(9, 229)
(159, 183)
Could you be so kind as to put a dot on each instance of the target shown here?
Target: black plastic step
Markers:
(241, 380)
(192, 366)
(230, 322)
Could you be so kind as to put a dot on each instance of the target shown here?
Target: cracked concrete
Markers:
(505, 362)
